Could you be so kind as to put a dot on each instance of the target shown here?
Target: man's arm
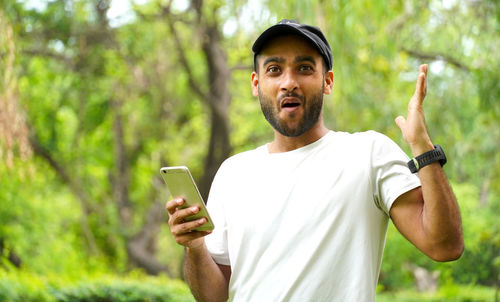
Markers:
(429, 216)
(208, 280)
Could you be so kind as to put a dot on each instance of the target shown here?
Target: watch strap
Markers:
(418, 162)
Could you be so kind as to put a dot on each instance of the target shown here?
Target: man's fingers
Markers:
(421, 87)
(172, 205)
(182, 230)
(187, 227)
(423, 68)
(180, 215)
(400, 121)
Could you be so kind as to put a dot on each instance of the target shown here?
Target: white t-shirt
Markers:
(309, 224)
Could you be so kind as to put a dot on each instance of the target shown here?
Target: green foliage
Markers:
(119, 291)
(40, 223)
(479, 262)
(22, 287)
(445, 294)
(482, 241)
(25, 287)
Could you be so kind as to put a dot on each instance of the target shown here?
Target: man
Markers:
(304, 217)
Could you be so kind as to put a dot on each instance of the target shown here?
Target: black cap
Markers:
(311, 33)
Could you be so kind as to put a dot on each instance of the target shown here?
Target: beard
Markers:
(312, 110)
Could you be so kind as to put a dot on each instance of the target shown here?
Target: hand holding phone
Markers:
(183, 231)
(190, 209)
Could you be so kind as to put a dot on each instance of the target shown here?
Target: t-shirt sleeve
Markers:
(391, 176)
(217, 241)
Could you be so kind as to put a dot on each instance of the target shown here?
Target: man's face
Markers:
(290, 84)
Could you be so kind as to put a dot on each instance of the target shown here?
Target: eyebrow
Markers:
(273, 59)
(305, 59)
(297, 59)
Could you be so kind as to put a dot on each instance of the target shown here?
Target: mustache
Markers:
(290, 94)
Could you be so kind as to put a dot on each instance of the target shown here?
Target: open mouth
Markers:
(290, 103)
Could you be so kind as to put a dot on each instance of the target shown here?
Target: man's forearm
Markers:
(203, 275)
(441, 215)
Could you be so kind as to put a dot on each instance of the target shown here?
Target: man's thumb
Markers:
(400, 121)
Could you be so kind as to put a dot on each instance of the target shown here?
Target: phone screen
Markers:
(180, 183)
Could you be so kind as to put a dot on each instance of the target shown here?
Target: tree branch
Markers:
(73, 186)
(436, 57)
(184, 62)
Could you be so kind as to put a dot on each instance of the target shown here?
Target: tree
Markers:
(89, 102)
(216, 97)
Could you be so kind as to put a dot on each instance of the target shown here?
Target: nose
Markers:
(289, 82)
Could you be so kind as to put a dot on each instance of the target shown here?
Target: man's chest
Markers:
(270, 200)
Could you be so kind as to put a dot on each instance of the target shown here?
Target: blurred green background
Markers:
(97, 95)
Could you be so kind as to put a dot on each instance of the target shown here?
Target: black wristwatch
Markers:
(427, 158)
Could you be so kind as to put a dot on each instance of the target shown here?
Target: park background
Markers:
(97, 95)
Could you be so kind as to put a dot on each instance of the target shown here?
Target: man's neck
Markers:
(283, 143)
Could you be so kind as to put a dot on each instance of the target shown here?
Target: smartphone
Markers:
(180, 183)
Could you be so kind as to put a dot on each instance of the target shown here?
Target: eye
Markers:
(307, 68)
(273, 69)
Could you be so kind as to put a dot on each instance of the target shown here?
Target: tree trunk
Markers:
(219, 150)
(121, 177)
(141, 248)
(220, 99)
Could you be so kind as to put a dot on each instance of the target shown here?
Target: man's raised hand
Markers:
(413, 127)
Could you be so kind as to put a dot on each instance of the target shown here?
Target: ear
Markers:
(328, 82)
(255, 84)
